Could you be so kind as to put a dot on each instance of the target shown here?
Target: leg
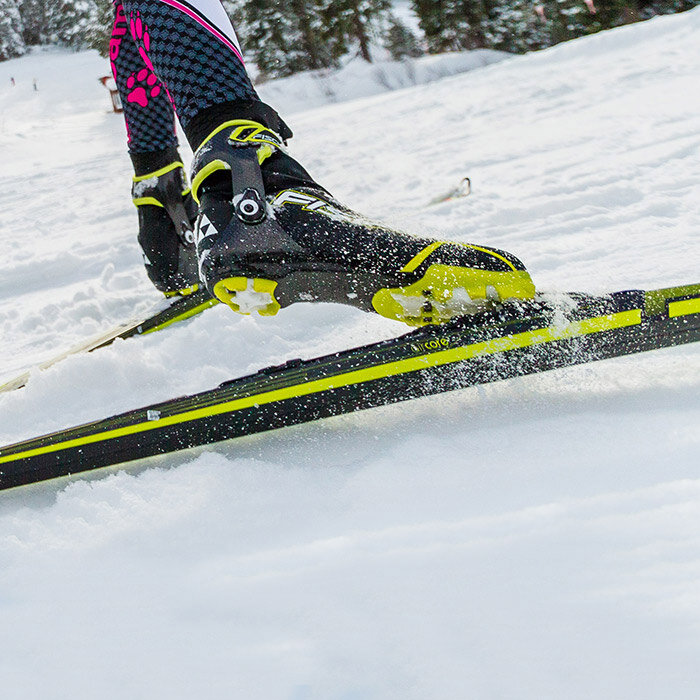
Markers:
(160, 190)
(192, 47)
(148, 112)
(267, 235)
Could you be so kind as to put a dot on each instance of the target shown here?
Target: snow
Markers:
(404, 12)
(532, 539)
(357, 78)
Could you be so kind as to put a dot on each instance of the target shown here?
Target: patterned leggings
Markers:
(171, 55)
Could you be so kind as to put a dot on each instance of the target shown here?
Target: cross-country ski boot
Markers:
(269, 236)
(167, 213)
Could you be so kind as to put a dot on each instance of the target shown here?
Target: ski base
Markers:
(520, 338)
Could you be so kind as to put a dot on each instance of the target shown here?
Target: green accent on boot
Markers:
(244, 132)
(247, 295)
(447, 291)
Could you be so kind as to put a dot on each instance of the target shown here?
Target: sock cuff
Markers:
(151, 161)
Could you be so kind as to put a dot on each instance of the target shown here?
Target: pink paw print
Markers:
(142, 37)
(143, 85)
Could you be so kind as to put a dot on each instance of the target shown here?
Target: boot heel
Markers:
(247, 295)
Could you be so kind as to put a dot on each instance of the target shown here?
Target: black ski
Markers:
(165, 314)
(519, 338)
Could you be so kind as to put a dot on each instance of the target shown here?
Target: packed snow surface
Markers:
(357, 78)
(536, 538)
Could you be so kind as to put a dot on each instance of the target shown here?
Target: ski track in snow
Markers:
(536, 538)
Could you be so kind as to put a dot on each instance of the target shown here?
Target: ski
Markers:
(164, 314)
(517, 339)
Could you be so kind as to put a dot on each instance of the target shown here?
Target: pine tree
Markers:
(11, 41)
(69, 22)
(99, 27)
(285, 38)
(453, 25)
(35, 21)
(649, 8)
(432, 21)
(565, 19)
(514, 26)
(358, 21)
(400, 41)
(236, 10)
(568, 19)
(75, 23)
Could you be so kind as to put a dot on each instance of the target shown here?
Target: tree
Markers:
(99, 27)
(453, 25)
(358, 21)
(297, 35)
(70, 22)
(400, 41)
(236, 10)
(11, 41)
(34, 20)
(521, 25)
(649, 8)
(284, 38)
(515, 26)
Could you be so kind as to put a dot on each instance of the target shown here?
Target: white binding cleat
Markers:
(412, 305)
(249, 301)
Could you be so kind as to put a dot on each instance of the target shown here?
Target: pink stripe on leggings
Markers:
(221, 37)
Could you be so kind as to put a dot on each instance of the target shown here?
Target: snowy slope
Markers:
(357, 78)
(532, 539)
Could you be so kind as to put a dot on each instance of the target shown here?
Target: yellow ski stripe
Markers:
(359, 376)
(184, 292)
(655, 300)
(183, 316)
(684, 307)
(418, 259)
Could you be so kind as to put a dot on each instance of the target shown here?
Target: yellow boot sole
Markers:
(446, 291)
(441, 294)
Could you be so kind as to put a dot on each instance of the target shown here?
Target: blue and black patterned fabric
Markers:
(168, 55)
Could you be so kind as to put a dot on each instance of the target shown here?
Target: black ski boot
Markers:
(166, 221)
(268, 236)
